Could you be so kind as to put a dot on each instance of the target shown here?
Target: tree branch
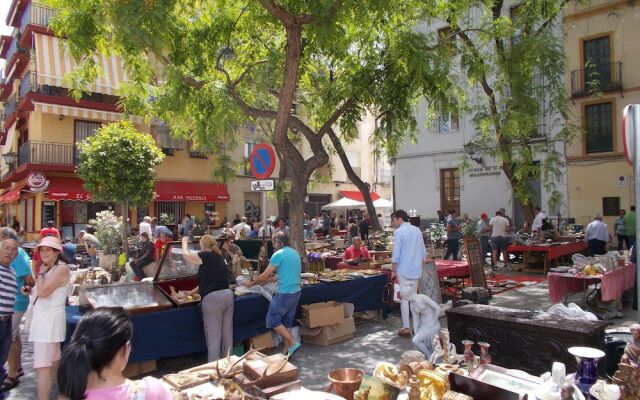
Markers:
(549, 20)
(280, 13)
(239, 79)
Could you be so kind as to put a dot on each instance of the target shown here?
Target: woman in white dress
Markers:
(48, 323)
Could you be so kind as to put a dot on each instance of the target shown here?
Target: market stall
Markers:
(545, 254)
(610, 284)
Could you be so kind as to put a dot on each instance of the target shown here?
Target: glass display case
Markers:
(175, 272)
(136, 298)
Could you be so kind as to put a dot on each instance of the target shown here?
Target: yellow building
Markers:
(602, 54)
(42, 125)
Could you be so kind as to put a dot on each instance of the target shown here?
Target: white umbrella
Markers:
(382, 203)
(343, 203)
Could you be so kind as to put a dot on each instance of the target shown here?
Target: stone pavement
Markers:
(374, 340)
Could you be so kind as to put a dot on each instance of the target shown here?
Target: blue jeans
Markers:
(282, 310)
(5, 345)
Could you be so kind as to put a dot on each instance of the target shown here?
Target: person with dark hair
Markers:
(281, 226)
(630, 226)
(408, 256)
(217, 298)
(326, 224)
(8, 252)
(48, 323)
(286, 262)
(22, 268)
(49, 231)
(453, 237)
(597, 236)
(91, 365)
(69, 249)
(146, 256)
(500, 229)
(621, 231)
(364, 226)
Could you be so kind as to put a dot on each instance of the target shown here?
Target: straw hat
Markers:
(50, 241)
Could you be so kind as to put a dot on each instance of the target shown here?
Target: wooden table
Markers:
(547, 253)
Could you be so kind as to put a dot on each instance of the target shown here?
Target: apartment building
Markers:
(601, 47)
(42, 125)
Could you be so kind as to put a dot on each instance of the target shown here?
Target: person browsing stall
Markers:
(8, 290)
(356, 252)
(217, 298)
(147, 251)
(282, 309)
(49, 231)
(92, 363)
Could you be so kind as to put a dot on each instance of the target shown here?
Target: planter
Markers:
(107, 261)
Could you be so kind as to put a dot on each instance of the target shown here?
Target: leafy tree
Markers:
(303, 65)
(513, 58)
(117, 165)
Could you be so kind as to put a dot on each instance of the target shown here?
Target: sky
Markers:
(4, 29)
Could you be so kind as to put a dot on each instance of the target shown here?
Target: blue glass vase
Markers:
(587, 373)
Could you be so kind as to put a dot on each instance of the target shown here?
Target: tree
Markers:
(514, 57)
(305, 66)
(117, 164)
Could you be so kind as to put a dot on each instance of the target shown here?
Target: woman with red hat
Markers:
(48, 323)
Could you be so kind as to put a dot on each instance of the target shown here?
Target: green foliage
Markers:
(108, 231)
(117, 164)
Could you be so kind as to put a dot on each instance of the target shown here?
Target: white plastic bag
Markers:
(396, 293)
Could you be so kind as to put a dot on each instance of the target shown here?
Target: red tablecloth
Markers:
(553, 251)
(613, 283)
(452, 269)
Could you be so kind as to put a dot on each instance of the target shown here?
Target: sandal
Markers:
(20, 373)
(8, 384)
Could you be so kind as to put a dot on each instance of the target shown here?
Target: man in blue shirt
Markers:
(408, 257)
(286, 262)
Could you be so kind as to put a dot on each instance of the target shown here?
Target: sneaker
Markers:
(404, 332)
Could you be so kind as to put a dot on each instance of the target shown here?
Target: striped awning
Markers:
(53, 63)
(83, 113)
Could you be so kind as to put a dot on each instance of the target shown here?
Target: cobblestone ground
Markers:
(374, 340)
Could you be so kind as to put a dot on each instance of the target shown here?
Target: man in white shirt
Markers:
(145, 226)
(536, 226)
(408, 257)
(597, 236)
(242, 229)
(268, 233)
(499, 240)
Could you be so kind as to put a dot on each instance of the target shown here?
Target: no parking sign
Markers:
(262, 161)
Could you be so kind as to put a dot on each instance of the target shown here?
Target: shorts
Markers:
(499, 243)
(282, 310)
(45, 354)
(15, 325)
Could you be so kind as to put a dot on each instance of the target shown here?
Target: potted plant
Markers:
(108, 229)
(469, 229)
(436, 234)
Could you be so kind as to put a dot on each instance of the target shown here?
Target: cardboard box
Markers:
(264, 341)
(330, 334)
(322, 314)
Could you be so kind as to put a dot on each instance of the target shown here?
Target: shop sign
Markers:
(484, 171)
(265, 185)
(37, 182)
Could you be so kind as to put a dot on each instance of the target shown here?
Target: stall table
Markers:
(179, 331)
(550, 253)
(612, 283)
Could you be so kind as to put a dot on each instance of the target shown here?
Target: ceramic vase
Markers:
(469, 357)
(587, 373)
(485, 357)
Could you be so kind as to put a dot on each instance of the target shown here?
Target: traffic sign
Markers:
(630, 128)
(262, 161)
(265, 185)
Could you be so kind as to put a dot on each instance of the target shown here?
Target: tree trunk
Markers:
(296, 215)
(125, 224)
(360, 184)
(282, 176)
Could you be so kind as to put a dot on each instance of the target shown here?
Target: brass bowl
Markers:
(346, 381)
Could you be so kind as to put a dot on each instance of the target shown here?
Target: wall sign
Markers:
(484, 171)
(37, 182)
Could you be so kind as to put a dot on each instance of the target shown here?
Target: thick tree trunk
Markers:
(296, 214)
(282, 176)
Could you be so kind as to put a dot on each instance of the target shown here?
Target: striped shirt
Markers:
(8, 289)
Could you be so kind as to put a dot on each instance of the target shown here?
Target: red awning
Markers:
(12, 195)
(67, 188)
(358, 196)
(191, 191)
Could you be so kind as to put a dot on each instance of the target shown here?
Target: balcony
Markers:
(10, 107)
(36, 14)
(46, 153)
(13, 47)
(595, 79)
(30, 84)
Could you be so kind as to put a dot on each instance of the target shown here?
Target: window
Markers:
(248, 148)
(164, 140)
(449, 189)
(445, 122)
(196, 153)
(597, 62)
(446, 36)
(599, 128)
(168, 151)
(611, 206)
(82, 130)
(354, 161)
(174, 210)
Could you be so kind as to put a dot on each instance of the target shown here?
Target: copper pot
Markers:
(346, 381)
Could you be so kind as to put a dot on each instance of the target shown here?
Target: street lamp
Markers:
(471, 149)
(10, 158)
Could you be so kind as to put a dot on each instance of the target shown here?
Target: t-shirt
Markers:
(158, 249)
(537, 221)
(288, 267)
(147, 388)
(455, 233)
(351, 252)
(8, 290)
(69, 250)
(630, 223)
(49, 232)
(21, 265)
(212, 274)
(499, 225)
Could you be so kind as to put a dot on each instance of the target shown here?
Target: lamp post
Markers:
(10, 158)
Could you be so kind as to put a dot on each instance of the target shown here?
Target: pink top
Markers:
(148, 388)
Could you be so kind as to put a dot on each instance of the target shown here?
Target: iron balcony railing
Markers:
(595, 79)
(10, 107)
(37, 14)
(29, 84)
(46, 153)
